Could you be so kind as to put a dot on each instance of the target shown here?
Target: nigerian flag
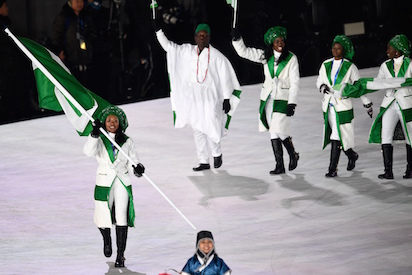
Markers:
(231, 2)
(58, 89)
(369, 85)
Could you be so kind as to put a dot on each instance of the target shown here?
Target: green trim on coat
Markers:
(345, 116)
(101, 193)
(280, 106)
(281, 65)
(375, 135)
(342, 71)
(262, 113)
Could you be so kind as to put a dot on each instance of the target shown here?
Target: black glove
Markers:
(235, 34)
(369, 109)
(96, 125)
(290, 109)
(155, 25)
(226, 106)
(138, 170)
(324, 89)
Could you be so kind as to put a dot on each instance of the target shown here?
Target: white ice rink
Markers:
(296, 223)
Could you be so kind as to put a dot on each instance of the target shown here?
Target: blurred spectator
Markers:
(15, 75)
(71, 40)
(103, 40)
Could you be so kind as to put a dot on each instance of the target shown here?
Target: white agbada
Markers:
(199, 83)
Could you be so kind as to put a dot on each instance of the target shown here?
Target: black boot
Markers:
(107, 239)
(293, 156)
(408, 172)
(217, 161)
(278, 151)
(352, 158)
(121, 237)
(334, 158)
(387, 152)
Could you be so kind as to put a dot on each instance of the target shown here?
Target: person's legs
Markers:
(216, 150)
(278, 152)
(201, 149)
(335, 150)
(389, 120)
(293, 156)
(121, 202)
(335, 144)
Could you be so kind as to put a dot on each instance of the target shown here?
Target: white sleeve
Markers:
(252, 54)
(91, 147)
(163, 41)
(294, 78)
(132, 152)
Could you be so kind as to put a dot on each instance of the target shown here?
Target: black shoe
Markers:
(119, 261)
(279, 169)
(331, 174)
(201, 167)
(408, 174)
(293, 163)
(386, 175)
(352, 161)
(218, 161)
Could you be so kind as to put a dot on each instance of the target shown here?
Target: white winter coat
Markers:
(283, 88)
(107, 173)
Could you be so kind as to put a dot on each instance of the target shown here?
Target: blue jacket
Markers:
(216, 267)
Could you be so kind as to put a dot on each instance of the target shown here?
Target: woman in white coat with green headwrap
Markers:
(396, 105)
(278, 96)
(338, 112)
(113, 192)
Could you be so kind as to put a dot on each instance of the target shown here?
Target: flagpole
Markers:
(234, 13)
(83, 111)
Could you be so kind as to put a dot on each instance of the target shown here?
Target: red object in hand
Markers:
(165, 274)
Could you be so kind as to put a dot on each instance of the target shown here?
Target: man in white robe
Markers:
(204, 92)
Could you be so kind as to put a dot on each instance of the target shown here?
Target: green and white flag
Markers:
(231, 2)
(58, 89)
(369, 85)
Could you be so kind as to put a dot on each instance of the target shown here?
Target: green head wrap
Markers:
(347, 45)
(114, 110)
(274, 32)
(401, 43)
(203, 27)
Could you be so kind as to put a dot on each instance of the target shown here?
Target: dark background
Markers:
(131, 66)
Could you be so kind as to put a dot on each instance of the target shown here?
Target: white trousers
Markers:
(202, 142)
(389, 120)
(269, 112)
(332, 123)
(120, 197)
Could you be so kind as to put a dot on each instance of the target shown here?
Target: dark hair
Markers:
(269, 53)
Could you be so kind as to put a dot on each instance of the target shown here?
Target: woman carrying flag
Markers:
(113, 192)
(278, 96)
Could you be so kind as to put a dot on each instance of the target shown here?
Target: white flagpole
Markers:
(234, 13)
(83, 111)
(154, 9)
